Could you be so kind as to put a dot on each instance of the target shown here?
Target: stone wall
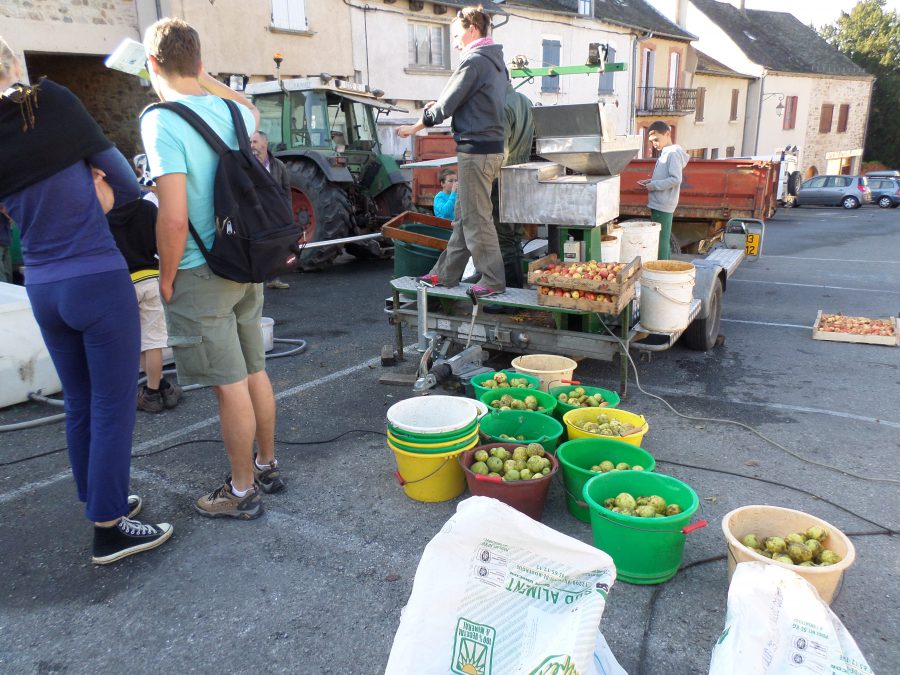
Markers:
(856, 92)
(91, 12)
(114, 99)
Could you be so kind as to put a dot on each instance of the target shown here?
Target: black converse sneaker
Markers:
(134, 506)
(126, 538)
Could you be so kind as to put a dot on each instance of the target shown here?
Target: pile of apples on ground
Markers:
(857, 325)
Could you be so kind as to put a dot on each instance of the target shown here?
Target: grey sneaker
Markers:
(171, 394)
(150, 401)
(268, 479)
(222, 503)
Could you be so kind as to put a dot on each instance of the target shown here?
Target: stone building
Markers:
(68, 41)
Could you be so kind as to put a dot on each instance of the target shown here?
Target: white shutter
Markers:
(289, 14)
(280, 13)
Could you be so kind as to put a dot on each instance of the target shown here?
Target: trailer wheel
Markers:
(793, 183)
(701, 335)
(322, 209)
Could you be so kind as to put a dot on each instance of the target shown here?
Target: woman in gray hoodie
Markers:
(474, 97)
(664, 184)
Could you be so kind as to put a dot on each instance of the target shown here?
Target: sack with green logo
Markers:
(497, 593)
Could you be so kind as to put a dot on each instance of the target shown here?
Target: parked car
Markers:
(885, 192)
(851, 192)
(887, 173)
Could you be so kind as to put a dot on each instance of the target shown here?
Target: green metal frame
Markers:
(551, 71)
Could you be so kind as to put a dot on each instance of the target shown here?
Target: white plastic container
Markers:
(552, 370)
(611, 247)
(667, 289)
(25, 365)
(267, 326)
(432, 414)
(639, 238)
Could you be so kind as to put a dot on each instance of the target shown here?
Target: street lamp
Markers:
(779, 109)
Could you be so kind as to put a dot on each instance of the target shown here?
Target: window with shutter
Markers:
(735, 93)
(428, 45)
(551, 49)
(289, 15)
(843, 115)
(607, 85)
(790, 112)
(729, 151)
(701, 103)
(825, 118)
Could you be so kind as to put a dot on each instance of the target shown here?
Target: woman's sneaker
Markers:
(126, 538)
(268, 478)
(223, 503)
(134, 506)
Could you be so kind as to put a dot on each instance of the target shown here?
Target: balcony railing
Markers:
(666, 100)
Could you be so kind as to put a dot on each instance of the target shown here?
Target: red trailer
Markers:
(712, 192)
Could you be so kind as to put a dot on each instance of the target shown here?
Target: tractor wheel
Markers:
(322, 209)
(391, 202)
(395, 200)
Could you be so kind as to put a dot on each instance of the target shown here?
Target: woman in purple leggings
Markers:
(51, 155)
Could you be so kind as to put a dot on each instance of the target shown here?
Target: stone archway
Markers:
(810, 172)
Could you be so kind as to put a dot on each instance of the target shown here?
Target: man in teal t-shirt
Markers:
(214, 323)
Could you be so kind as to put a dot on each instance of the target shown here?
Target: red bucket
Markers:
(527, 496)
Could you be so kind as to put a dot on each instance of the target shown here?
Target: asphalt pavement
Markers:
(317, 585)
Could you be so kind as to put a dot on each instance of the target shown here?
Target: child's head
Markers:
(448, 180)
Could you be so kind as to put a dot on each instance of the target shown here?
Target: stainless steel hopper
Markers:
(582, 137)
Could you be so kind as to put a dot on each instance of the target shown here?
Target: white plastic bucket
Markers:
(639, 238)
(611, 247)
(432, 414)
(667, 288)
(552, 370)
(267, 326)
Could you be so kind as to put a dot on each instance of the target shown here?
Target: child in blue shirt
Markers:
(445, 200)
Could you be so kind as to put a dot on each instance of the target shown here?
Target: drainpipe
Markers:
(634, 62)
(762, 91)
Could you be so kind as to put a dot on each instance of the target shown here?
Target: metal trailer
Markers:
(577, 138)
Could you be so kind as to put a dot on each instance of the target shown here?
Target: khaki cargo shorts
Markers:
(214, 329)
(153, 319)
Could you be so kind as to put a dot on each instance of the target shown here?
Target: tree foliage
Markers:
(870, 37)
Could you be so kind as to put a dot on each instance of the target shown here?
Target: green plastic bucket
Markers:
(413, 260)
(425, 448)
(562, 408)
(578, 456)
(543, 398)
(535, 427)
(645, 550)
(413, 437)
(478, 390)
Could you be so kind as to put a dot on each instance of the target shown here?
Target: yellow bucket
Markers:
(591, 414)
(430, 478)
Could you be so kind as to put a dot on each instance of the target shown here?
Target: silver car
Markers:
(851, 192)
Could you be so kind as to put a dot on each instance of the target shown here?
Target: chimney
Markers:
(743, 11)
(681, 13)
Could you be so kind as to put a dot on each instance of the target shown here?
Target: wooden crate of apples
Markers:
(589, 286)
(840, 328)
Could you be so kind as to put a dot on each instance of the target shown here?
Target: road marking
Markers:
(842, 260)
(209, 421)
(767, 323)
(23, 490)
(780, 406)
(833, 288)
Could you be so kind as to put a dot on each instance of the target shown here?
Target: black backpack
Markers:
(256, 236)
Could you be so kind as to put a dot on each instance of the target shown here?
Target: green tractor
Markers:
(342, 185)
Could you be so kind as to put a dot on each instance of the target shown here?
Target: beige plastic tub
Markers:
(552, 370)
(776, 521)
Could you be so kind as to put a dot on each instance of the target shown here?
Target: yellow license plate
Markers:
(752, 245)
